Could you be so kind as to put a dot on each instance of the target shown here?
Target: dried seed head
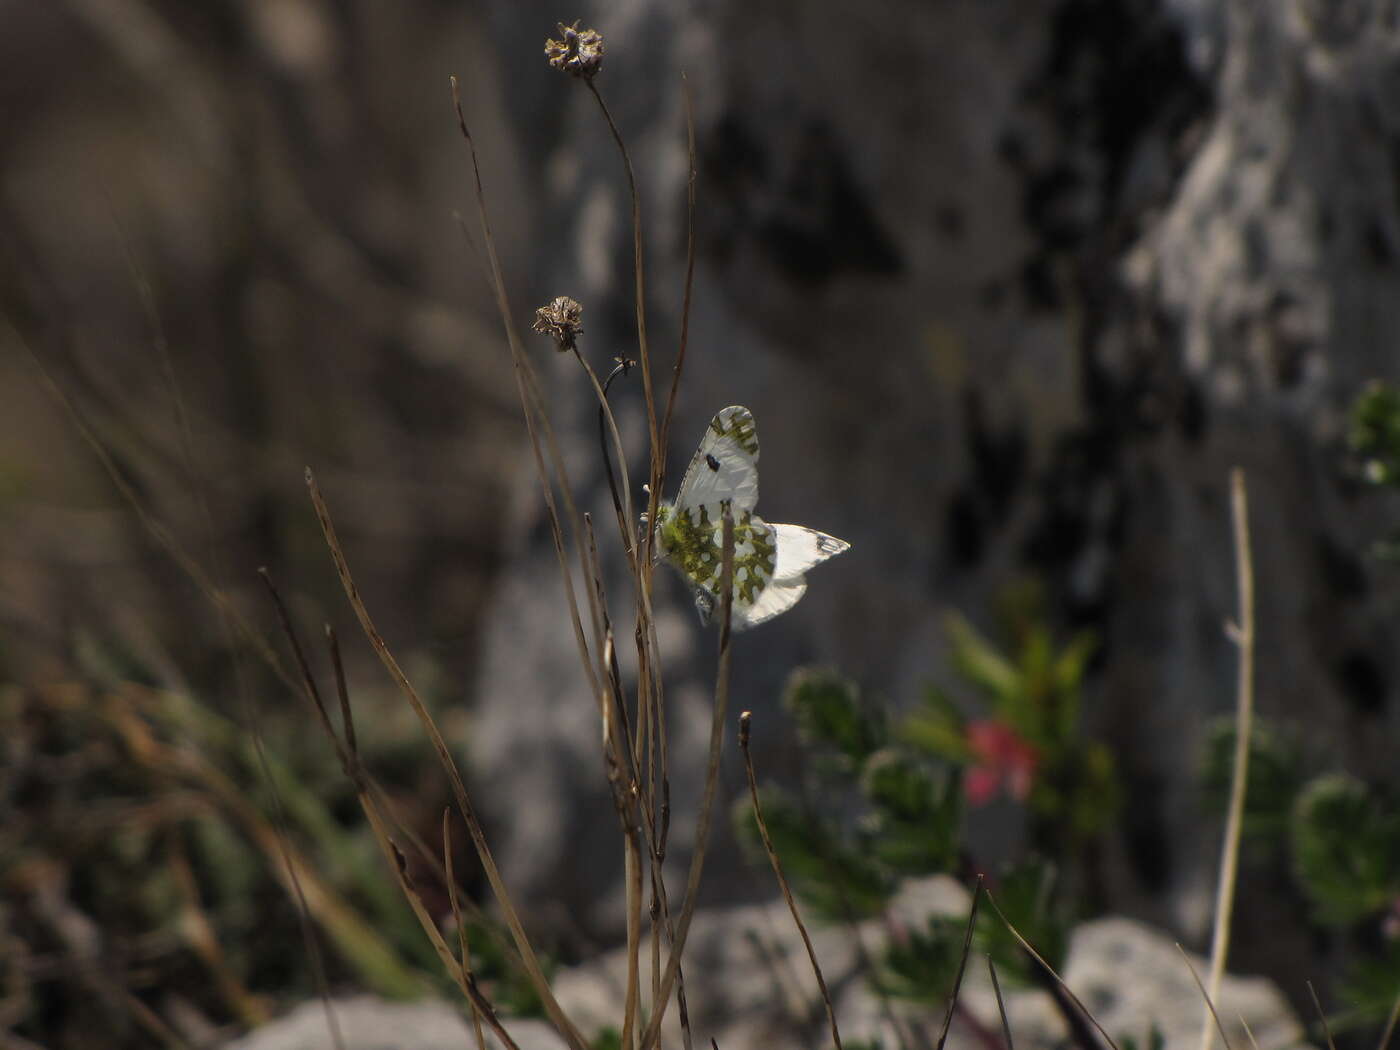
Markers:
(561, 320)
(579, 54)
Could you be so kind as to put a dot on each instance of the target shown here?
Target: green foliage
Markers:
(1375, 438)
(833, 875)
(1346, 849)
(1035, 691)
(1156, 1040)
(1274, 779)
(1025, 894)
(608, 1038)
(915, 813)
(921, 965)
(828, 711)
(1375, 432)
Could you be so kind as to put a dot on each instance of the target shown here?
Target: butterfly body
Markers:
(770, 561)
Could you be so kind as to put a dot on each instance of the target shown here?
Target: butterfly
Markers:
(770, 561)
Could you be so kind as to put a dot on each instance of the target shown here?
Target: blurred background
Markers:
(1009, 290)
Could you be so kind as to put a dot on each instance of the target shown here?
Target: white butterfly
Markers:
(770, 561)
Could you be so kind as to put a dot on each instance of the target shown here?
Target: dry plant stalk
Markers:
(1242, 632)
(744, 723)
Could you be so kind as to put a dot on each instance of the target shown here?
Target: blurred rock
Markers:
(749, 986)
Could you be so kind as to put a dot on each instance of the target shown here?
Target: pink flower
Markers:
(1002, 759)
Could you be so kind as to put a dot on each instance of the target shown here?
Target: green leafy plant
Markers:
(1375, 439)
(891, 796)
(1340, 839)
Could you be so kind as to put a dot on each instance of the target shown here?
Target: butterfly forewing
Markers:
(726, 464)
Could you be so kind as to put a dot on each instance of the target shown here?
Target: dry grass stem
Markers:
(1389, 1031)
(1210, 1003)
(702, 830)
(744, 724)
(1249, 1033)
(1001, 1006)
(530, 963)
(1243, 634)
(1322, 1016)
(536, 420)
(464, 952)
(1085, 1040)
(962, 963)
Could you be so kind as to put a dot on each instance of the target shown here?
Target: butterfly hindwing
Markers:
(801, 548)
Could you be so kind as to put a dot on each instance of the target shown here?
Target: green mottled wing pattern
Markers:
(769, 560)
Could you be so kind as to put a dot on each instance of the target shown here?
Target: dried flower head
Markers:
(579, 54)
(561, 320)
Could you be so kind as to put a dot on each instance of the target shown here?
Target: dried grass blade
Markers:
(1059, 981)
(529, 961)
(1244, 719)
(744, 724)
(962, 963)
(1001, 1005)
(1389, 1030)
(1321, 1016)
(463, 949)
(1210, 1004)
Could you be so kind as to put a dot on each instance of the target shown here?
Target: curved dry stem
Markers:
(744, 720)
(643, 351)
(530, 961)
(1243, 634)
(1210, 1004)
(962, 963)
(1059, 981)
(532, 405)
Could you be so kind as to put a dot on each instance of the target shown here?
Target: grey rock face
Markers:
(1009, 293)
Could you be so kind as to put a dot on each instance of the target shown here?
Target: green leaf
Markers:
(937, 728)
(1346, 849)
(921, 965)
(1274, 778)
(978, 661)
(834, 878)
(1375, 432)
(1025, 894)
(916, 814)
(829, 710)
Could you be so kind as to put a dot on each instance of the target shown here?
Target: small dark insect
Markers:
(711, 462)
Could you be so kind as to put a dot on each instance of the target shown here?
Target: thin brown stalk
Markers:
(1249, 1033)
(536, 421)
(643, 351)
(702, 830)
(308, 680)
(1322, 1016)
(464, 952)
(157, 530)
(689, 281)
(1001, 1006)
(1085, 1041)
(962, 963)
(467, 984)
(530, 962)
(744, 725)
(375, 794)
(1210, 1003)
(1243, 634)
(1389, 1030)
